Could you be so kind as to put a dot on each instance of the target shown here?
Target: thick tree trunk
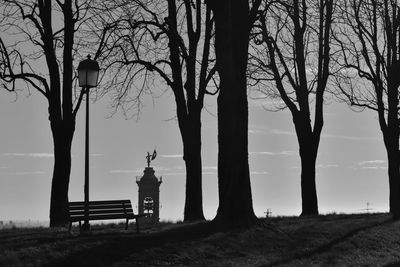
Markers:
(192, 156)
(394, 183)
(62, 138)
(232, 39)
(235, 199)
(308, 188)
(392, 150)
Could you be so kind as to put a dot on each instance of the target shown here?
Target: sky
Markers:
(351, 165)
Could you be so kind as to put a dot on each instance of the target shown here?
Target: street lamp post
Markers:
(88, 73)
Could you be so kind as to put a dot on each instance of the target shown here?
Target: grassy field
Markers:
(331, 240)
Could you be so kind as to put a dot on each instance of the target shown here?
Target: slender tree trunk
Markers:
(391, 134)
(62, 138)
(192, 156)
(232, 40)
(189, 120)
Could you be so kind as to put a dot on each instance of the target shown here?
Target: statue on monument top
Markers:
(150, 157)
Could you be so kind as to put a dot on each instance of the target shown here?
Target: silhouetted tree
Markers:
(369, 41)
(291, 61)
(176, 49)
(42, 34)
(233, 22)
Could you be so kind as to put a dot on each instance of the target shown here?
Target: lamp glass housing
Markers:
(88, 73)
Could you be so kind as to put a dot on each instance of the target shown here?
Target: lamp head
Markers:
(88, 72)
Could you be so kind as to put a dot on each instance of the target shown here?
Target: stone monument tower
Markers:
(149, 192)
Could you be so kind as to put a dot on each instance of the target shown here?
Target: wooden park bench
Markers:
(103, 210)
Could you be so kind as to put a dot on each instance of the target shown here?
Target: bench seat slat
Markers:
(103, 211)
(101, 202)
(98, 207)
(102, 207)
(91, 205)
(103, 217)
(77, 217)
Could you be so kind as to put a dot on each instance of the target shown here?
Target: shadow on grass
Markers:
(393, 264)
(326, 247)
(102, 249)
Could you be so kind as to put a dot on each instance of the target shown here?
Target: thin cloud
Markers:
(96, 155)
(376, 164)
(42, 155)
(256, 131)
(261, 153)
(259, 173)
(173, 173)
(260, 127)
(158, 169)
(29, 173)
(184, 173)
(318, 166)
(269, 153)
(258, 100)
(325, 166)
(123, 171)
(30, 155)
(172, 156)
(374, 168)
(163, 169)
(369, 162)
(348, 137)
(210, 168)
(281, 132)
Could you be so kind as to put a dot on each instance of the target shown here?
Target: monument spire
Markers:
(149, 192)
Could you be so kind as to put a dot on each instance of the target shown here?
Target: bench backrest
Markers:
(105, 207)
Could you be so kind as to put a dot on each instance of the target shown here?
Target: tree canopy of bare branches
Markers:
(38, 44)
(369, 43)
(290, 61)
(164, 44)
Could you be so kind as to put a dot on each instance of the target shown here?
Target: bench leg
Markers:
(80, 226)
(70, 226)
(126, 224)
(137, 225)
